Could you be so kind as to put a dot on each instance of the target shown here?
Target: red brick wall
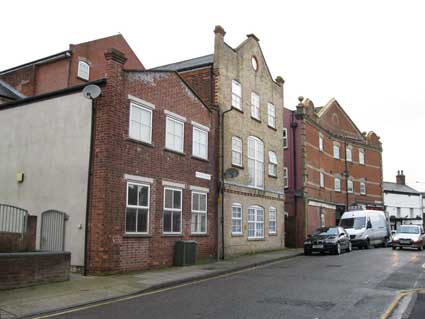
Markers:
(14, 242)
(115, 155)
(201, 81)
(26, 269)
(59, 74)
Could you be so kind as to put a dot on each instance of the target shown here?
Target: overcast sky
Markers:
(369, 55)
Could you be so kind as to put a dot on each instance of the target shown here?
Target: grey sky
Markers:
(369, 55)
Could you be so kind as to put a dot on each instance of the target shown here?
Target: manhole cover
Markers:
(333, 266)
(298, 303)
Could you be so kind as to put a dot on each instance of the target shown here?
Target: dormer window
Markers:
(83, 70)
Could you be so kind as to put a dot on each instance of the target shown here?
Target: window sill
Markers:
(172, 235)
(82, 79)
(200, 158)
(237, 166)
(255, 119)
(273, 176)
(237, 109)
(272, 234)
(175, 152)
(199, 235)
(139, 142)
(271, 127)
(237, 235)
(136, 235)
(257, 239)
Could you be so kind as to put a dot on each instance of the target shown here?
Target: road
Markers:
(360, 284)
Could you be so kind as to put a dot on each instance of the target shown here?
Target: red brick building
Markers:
(331, 167)
(151, 177)
(80, 63)
(172, 163)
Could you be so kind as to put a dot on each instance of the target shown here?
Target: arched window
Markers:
(255, 162)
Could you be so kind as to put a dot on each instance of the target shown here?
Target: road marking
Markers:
(397, 299)
(143, 294)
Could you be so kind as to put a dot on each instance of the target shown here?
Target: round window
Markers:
(254, 63)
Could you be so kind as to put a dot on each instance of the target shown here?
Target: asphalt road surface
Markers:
(360, 284)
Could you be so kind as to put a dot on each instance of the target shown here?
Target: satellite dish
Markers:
(231, 173)
(91, 91)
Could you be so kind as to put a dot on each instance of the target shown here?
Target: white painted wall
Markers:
(405, 202)
(49, 141)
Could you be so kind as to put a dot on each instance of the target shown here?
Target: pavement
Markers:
(82, 291)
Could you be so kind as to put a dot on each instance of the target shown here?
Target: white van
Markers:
(366, 228)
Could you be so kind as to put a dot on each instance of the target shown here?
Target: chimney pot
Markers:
(400, 178)
(219, 30)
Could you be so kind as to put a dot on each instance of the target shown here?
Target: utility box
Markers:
(185, 253)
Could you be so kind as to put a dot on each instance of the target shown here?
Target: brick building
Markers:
(238, 83)
(80, 63)
(330, 167)
(133, 170)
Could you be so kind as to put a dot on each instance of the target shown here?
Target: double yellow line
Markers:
(397, 299)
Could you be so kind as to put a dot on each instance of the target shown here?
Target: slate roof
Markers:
(9, 92)
(397, 188)
(187, 64)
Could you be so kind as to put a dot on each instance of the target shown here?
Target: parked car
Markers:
(412, 236)
(328, 239)
(366, 228)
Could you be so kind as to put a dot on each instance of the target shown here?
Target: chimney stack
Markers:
(400, 178)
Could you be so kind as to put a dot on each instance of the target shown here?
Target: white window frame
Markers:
(285, 138)
(272, 164)
(336, 150)
(167, 143)
(144, 109)
(199, 213)
(235, 150)
(272, 221)
(285, 177)
(320, 142)
(337, 184)
(258, 163)
(255, 106)
(138, 207)
(398, 212)
(361, 156)
(238, 206)
(83, 71)
(350, 186)
(271, 115)
(349, 153)
(235, 97)
(256, 221)
(200, 132)
(322, 179)
(362, 188)
(174, 189)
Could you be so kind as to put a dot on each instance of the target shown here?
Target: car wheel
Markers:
(307, 252)
(394, 248)
(367, 245)
(350, 248)
(338, 249)
(420, 248)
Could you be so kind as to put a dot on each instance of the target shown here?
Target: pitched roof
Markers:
(9, 92)
(398, 188)
(187, 64)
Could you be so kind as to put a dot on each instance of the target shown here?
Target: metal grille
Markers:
(52, 230)
(13, 219)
